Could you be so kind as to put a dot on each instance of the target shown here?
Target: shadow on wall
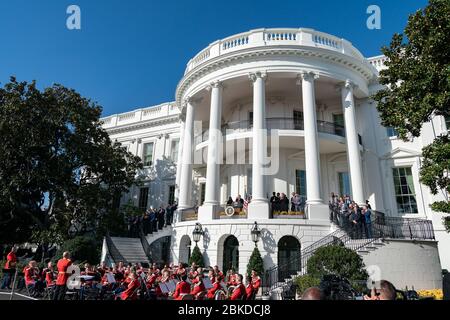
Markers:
(269, 245)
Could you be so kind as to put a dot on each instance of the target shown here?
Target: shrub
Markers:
(255, 263)
(304, 282)
(197, 257)
(337, 260)
(82, 249)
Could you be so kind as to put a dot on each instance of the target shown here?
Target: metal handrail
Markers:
(280, 123)
(382, 227)
(115, 253)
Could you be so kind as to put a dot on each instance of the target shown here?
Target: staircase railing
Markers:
(114, 252)
(145, 244)
(381, 227)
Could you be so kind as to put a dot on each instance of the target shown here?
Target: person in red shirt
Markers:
(130, 292)
(199, 286)
(256, 281)
(249, 289)
(216, 287)
(231, 279)
(218, 272)
(61, 280)
(10, 266)
(32, 281)
(182, 288)
(49, 275)
(239, 290)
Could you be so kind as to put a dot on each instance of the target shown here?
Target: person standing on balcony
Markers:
(284, 203)
(273, 200)
(367, 214)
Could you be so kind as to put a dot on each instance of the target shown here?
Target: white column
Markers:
(179, 160)
(351, 134)
(312, 160)
(187, 159)
(211, 204)
(259, 206)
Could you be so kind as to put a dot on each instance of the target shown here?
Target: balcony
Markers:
(279, 124)
(274, 37)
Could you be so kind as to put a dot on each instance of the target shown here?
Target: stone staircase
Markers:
(364, 247)
(128, 250)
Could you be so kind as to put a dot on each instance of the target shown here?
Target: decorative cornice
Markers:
(143, 124)
(236, 58)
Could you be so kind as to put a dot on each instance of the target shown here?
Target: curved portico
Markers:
(298, 64)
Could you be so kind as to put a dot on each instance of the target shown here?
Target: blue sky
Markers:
(131, 54)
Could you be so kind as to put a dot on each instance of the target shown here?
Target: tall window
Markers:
(148, 154)
(250, 119)
(447, 122)
(174, 150)
(143, 198)
(404, 190)
(171, 195)
(298, 120)
(338, 120)
(391, 132)
(300, 183)
(344, 183)
(202, 193)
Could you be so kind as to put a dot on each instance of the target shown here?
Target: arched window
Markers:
(289, 257)
(231, 253)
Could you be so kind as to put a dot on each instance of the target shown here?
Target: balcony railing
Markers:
(277, 123)
(274, 37)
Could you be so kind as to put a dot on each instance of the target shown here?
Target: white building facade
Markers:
(309, 92)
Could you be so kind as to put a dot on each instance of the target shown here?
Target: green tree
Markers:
(337, 260)
(197, 257)
(59, 170)
(255, 263)
(306, 281)
(81, 248)
(418, 88)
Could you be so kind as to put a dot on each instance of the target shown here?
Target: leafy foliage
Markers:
(59, 170)
(255, 263)
(197, 257)
(418, 88)
(306, 281)
(82, 249)
(337, 260)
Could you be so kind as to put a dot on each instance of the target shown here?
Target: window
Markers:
(339, 124)
(404, 190)
(447, 122)
(202, 193)
(300, 183)
(344, 183)
(143, 198)
(391, 132)
(171, 195)
(174, 150)
(148, 154)
(116, 200)
(250, 119)
(298, 120)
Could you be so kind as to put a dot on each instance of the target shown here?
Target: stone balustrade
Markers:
(274, 37)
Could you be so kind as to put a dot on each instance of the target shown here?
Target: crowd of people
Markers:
(279, 202)
(350, 216)
(133, 281)
(151, 220)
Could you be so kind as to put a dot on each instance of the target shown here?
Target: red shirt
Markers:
(182, 288)
(30, 274)
(49, 277)
(212, 292)
(200, 287)
(11, 260)
(256, 283)
(62, 266)
(238, 292)
(130, 292)
(249, 291)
